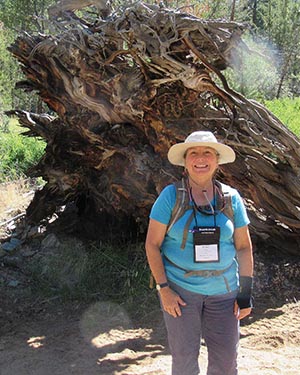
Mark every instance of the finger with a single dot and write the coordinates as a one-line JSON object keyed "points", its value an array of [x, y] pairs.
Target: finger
{"points": [[236, 309], [181, 302], [173, 313], [178, 311]]}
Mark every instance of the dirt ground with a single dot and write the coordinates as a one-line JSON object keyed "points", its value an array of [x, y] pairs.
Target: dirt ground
{"points": [[47, 337]]}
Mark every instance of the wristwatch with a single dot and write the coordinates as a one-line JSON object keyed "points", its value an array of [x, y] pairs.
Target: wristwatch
{"points": [[160, 286]]}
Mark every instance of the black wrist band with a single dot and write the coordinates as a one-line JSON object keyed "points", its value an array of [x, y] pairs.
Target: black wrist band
{"points": [[244, 298], [246, 284], [244, 303]]}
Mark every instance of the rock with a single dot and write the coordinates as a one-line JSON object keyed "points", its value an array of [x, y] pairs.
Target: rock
{"points": [[35, 231], [13, 261], [50, 242], [27, 251], [12, 245], [13, 283]]}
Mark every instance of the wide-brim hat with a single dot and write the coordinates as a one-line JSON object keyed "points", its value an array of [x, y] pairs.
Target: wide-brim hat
{"points": [[176, 153]]}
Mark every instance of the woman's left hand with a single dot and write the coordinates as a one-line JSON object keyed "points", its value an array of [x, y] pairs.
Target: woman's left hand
{"points": [[241, 313]]}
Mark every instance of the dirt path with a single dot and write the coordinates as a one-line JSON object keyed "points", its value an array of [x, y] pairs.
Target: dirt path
{"points": [[44, 337], [101, 339]]}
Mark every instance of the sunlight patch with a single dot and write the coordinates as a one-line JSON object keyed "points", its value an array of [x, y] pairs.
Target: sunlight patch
{"points": [[36, 342], [107, 324], [118, 336]]}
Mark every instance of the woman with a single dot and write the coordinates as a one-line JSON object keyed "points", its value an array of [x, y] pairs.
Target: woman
{"points": [[204, 286]]}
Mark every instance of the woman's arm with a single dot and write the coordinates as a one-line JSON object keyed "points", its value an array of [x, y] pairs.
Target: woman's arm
{"points": [[155, 236], [243, 246], [156, 233]]}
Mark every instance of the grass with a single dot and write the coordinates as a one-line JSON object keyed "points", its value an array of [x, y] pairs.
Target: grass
{"points": [[287, 110], [94, 271], [69, 269], [17, 152], [14, 197]]}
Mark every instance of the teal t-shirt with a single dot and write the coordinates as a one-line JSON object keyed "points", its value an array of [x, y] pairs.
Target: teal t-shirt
{"points": [[211, 285]]}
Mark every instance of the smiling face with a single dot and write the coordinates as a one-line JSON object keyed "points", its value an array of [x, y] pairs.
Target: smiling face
{"points": [[201, 162]]}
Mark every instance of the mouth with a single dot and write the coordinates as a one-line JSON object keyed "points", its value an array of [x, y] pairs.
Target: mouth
{"points": [[200, 166]]}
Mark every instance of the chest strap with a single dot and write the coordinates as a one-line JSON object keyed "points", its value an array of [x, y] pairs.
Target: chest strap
{"points": [[202, 273]]}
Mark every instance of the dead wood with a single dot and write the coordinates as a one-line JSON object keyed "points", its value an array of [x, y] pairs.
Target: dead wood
{"points": [[63, 6], [122, 90]]}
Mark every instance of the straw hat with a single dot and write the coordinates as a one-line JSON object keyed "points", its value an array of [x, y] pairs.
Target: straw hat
{"points": [[200, 138]]}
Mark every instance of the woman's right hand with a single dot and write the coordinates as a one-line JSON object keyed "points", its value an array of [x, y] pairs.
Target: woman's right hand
{"points": [[171, 301]]}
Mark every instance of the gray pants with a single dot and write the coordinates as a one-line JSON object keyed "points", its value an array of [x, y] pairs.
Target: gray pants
{"points": [[212, 318]]}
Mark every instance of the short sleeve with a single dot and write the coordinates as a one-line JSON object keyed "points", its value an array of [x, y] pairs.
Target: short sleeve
{"points": [[162, 208], [240, 213]]}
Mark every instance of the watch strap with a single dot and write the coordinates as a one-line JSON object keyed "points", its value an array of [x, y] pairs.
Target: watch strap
{"points": [[160, 286]]}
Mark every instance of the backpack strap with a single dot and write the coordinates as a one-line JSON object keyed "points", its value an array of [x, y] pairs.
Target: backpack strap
{"points": [[181, 204], [186, 230], [228, 210]]}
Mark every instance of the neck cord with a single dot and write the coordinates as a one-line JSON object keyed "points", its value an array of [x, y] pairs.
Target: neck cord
{"points": [[212, 207]]}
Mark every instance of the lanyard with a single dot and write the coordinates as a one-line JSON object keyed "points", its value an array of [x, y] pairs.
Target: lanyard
{"points": [[198, 208]]}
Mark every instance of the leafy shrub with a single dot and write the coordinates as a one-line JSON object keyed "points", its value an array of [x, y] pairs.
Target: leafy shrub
{"points": [[254, 72], [287, 110], [17, 152]]}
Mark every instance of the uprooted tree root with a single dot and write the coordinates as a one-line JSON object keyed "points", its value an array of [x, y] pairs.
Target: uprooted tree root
{"points": [[128, 85]]}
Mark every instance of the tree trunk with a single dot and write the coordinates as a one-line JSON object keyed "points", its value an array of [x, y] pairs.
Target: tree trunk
{"points": [[254, 12], [284, 71], [232, 14], [123, 90]]}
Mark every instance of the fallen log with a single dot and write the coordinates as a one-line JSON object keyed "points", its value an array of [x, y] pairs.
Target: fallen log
{"points": [[121, 90]]}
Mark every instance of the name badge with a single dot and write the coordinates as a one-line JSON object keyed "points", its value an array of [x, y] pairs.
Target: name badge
{"points": [[206, 244]]}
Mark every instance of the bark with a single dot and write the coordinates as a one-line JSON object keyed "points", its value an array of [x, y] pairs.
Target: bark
{"points": [[60, 7], [121, 90], [232, 14], [284, 72]]}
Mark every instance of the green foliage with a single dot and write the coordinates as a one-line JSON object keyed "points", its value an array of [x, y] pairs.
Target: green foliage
{"points": [[10, 74], [287, 110], [74, 271], [17, 15], [278, 20], [280, 25], [254, 73], [17, 153], [8, 70], [24, 14]]}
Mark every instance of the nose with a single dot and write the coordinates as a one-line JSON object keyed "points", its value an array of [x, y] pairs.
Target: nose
{"points": [[201, 156]]}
